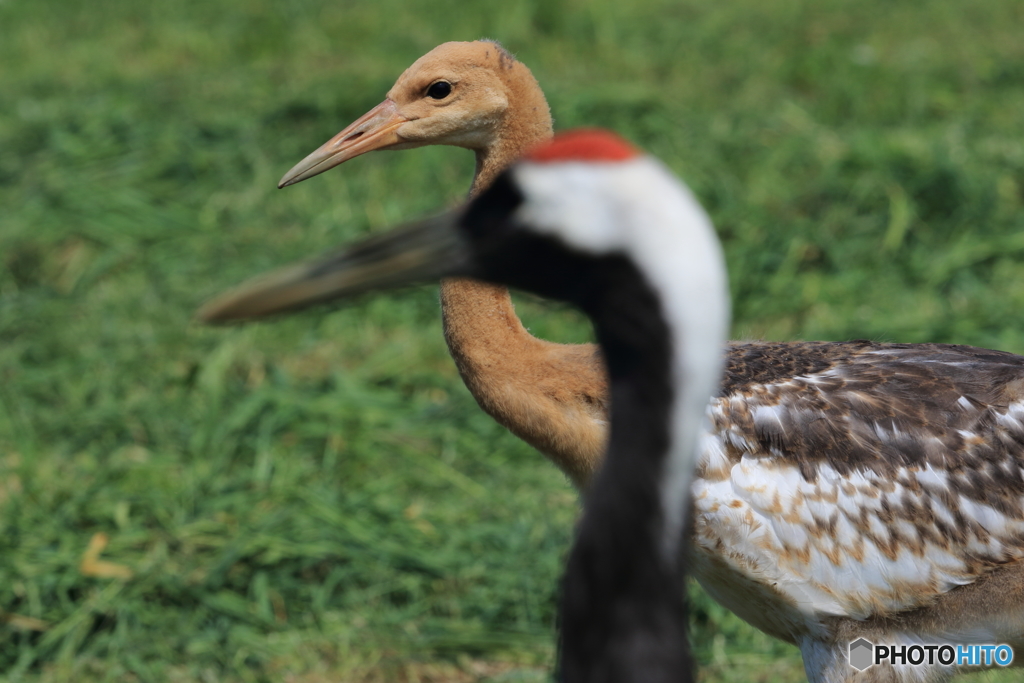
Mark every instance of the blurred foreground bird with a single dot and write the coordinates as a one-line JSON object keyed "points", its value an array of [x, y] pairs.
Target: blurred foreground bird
{"points": [[587, 220], [843, 490]]}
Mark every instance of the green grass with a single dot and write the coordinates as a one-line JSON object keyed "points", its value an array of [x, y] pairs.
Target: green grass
{"points": [[319, 499]]}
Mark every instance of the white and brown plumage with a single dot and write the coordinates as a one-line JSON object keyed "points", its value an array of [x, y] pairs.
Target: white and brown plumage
{"points": [[844, 489], [587, 220], [863, 489]]}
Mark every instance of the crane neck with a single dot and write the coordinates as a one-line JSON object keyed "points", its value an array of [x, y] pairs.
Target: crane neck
{"points": [[480, 321], [621, 609], [485, 337]]}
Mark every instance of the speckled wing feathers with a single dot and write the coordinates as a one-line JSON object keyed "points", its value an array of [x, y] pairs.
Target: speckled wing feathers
{"points": [[858, 479]]}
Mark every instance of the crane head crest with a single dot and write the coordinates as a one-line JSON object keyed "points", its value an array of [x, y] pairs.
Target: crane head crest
{"points": [[583, 144]]}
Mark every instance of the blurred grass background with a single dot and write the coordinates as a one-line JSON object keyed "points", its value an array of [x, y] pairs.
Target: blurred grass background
{"points": [[318, 498]]}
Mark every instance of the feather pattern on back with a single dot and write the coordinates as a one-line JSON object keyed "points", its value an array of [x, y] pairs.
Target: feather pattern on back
{"points": [[857, 479]]}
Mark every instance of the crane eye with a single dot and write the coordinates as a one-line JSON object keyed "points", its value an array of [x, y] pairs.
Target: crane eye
{"points": [[439, 90]]}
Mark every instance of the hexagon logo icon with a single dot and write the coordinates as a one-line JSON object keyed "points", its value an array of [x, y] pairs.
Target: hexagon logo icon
{"points": [[861, 654]]}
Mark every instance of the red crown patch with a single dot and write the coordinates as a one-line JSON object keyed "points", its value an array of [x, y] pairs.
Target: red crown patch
{"points": [[583, 144]]}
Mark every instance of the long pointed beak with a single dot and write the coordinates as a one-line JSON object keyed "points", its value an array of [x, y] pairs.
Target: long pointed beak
{"points": [[417, 252], [376, 129]]}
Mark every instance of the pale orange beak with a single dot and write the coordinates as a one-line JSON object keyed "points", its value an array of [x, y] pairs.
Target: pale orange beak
{"points": [[376, 129]]}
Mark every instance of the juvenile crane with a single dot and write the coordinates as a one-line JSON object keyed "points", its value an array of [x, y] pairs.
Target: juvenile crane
{"points": [[476, 95], [843, 489], [588, 220]]}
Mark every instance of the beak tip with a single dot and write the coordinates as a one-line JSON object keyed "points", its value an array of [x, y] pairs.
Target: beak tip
{"points": [[204, 316], [221, 310]]}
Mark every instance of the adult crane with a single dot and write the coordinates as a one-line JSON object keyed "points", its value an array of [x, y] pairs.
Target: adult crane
{"points": [[588, 220]]}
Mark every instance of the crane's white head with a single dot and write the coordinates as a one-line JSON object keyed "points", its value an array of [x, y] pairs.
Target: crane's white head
{"points": [[583, 196]]}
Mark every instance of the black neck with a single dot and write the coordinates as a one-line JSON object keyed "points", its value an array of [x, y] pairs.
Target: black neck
{"points": [[623, 616]]}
